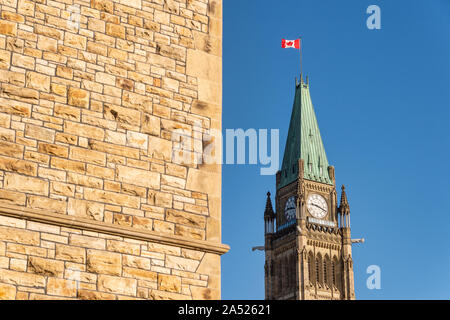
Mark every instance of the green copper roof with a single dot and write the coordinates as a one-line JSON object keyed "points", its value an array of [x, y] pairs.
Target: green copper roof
{"points": [[304, 141]]}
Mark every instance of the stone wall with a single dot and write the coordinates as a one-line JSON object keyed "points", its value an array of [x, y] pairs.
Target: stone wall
{"points": [[96, 198]]}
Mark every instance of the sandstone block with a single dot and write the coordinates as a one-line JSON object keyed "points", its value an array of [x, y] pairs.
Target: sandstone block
{"points": [[25, 184], [8, 28], [132, 3], [68, 165], [47, 44], [86, 209], [62, 189], [5, 120], [84, 180], [11, 149], [55, 175], [103, 5], [94, 295], [46, 267], [7, 292], [176, 170], [75, 41], [163, 226], [137, 101], [5, 58], [169, 283], [105, 78], [196, 209], [117, 285], [53, 149], [38, 81], [26, 7], [189, 232], [123, 247], [66, 138], [61, 287], [121, 219], [143, 223], [163, 248], [125, 84], [78, 97], [48, 31], [136, 262], [104, 262], [19, 166], [185, 218], [88, 242], [39, 133], [139, 274], [19, 93], [115, 137], [160, 148], [137, 140], [115, 30], [138, 177], [59, 89], [64, 72], [22, 278], [151, 124], [7, 134], [111, 198], [11, 197], [173, 181], [86, 155], [179, 263], [70, 253], [48, 204], [122, 115], [84, 130], [23, 61]]}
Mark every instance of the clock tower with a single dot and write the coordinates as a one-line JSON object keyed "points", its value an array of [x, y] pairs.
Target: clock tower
{"points": [[307, 237]]}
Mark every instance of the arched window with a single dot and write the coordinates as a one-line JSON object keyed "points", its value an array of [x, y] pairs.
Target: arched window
{"points": [[318, 269], [336, 273], [311, 267], [333, 272], [325, 271]]}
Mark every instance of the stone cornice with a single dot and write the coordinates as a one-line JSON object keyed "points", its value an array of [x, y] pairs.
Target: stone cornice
{"points": [[112, 229]]}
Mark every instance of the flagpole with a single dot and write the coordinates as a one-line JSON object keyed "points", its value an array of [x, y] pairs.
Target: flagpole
{"points": [[300, 49]]}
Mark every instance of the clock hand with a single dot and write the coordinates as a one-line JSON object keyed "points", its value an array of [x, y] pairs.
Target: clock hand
{"points": [[319, 207]]}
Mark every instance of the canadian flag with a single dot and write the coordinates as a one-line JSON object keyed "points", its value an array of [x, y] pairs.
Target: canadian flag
{"points": [[290, 43]]}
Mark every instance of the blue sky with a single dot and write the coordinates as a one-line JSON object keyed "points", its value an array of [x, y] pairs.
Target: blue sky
{"points": [[382, 100]]}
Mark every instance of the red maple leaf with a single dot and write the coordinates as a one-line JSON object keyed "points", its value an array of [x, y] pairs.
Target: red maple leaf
{"points": [[289, 43]]}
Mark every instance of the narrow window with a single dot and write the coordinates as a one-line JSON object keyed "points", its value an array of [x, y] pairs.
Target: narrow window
{"points": [[317, 270], [333, 273], [310, 269]]}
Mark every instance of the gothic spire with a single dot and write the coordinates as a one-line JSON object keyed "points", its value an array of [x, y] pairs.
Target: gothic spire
{"points": [[304, 142], [268, 213], [344, 207]]}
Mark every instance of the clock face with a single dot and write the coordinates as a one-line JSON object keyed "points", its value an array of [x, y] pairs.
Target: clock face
{"points": [[289, 209], [317, 206]]}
